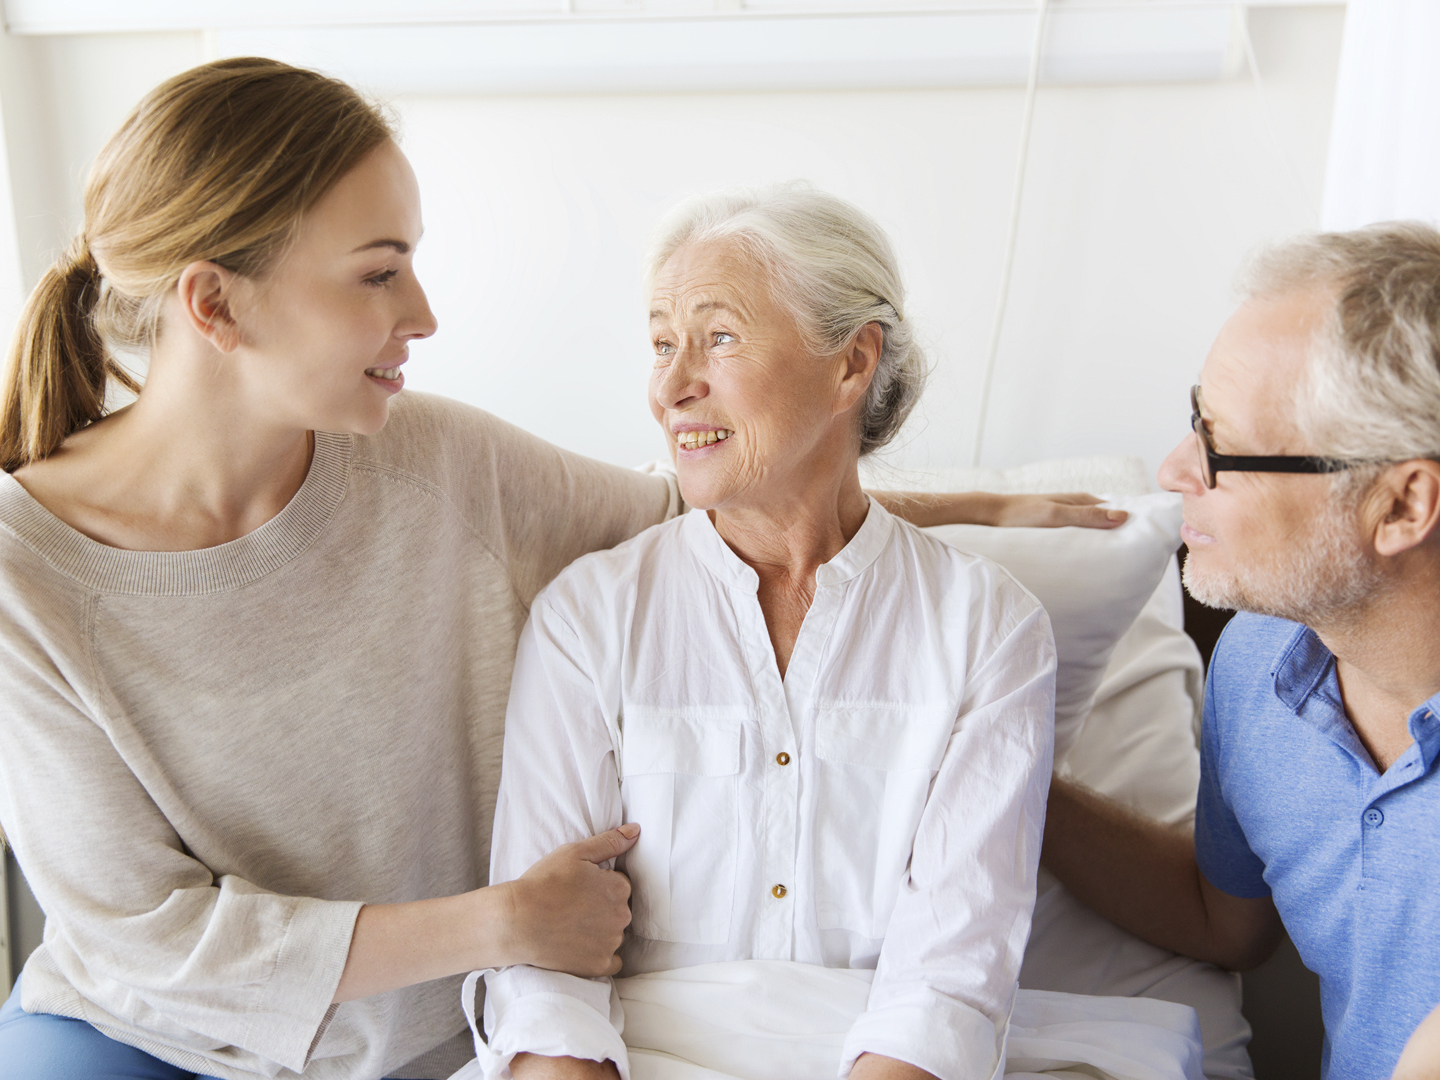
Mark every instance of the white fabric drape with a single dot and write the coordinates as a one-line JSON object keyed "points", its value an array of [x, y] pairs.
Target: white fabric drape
{"points": [[1385, 135]]}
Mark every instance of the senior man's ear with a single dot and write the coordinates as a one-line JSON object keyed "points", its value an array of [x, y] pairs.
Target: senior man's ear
{"points": [[858, 368], [1408, 494]]}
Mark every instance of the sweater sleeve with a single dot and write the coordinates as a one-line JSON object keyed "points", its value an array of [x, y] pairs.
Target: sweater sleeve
{"points": [[144, 932], [536, 507], [950, 962], [558, 784]]}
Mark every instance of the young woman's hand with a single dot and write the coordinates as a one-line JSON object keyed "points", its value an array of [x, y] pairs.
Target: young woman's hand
{"points": [[566, 912], [1055, 511]]}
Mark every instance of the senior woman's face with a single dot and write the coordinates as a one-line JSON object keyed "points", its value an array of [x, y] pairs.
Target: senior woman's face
{"points": [[748, 409]]}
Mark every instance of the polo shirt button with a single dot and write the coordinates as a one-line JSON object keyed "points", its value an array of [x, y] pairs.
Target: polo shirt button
{"points": [[1374, 817], [782, 758], [779, 892]]}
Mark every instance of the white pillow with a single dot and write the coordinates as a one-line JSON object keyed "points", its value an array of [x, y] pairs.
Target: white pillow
{"points": [[1093, 583], [1140, 744]]}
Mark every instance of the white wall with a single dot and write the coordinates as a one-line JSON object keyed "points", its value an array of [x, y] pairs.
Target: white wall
{"points": [[1140, 203]]}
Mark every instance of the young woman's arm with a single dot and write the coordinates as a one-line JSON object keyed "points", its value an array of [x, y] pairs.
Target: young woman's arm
{"points": [[565, 913], [1011, 511]]}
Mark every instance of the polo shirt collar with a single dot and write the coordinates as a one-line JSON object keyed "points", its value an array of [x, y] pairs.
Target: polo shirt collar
{"points": [[1303, 670], [1425, 730]]}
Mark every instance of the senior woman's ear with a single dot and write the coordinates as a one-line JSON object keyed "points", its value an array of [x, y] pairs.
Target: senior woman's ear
{"points": [[857, 368]]}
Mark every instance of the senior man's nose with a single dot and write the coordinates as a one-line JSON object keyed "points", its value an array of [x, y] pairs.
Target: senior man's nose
{"points": [[1180, 471]]}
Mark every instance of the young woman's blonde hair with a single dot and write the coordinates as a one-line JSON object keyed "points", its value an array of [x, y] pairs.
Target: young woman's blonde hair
{"points": [[217, 164]]}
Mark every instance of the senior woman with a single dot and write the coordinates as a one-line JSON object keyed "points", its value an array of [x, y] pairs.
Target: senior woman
{"points": [[834, 731]]}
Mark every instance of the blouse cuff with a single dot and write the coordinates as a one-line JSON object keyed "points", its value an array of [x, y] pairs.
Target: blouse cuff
{"points": [[528, 1010], [946, 1038]]}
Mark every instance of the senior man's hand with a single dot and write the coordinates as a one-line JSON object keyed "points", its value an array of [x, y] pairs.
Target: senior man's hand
{"points": [[987, 508]]}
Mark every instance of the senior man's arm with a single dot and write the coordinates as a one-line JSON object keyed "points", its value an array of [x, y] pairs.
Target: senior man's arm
{"points": [[1420, 1059], [1142, 875]]}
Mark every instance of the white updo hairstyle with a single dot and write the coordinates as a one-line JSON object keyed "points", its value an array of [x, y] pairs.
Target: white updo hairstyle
{"points": [[1371, 388], [831, 266]]}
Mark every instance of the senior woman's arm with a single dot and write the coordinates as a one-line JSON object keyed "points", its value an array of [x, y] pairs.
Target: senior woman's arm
{"points": [[559, 775], [950, 962]]}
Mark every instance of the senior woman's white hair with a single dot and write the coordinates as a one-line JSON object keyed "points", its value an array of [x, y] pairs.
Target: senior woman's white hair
{"points": [[1371, 389], [831, 265]]}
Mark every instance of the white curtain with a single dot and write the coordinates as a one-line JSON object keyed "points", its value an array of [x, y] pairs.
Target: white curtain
{"points": [[1385, 136]]}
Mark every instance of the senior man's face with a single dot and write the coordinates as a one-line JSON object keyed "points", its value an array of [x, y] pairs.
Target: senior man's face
{"points": [[1274, 543], [747, 408]]}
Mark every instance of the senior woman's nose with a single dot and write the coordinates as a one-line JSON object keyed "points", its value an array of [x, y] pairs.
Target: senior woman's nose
{"points": [[681, 380]]}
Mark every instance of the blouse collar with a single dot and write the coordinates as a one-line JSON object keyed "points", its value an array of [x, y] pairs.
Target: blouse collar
{"points": [[851, 561]]}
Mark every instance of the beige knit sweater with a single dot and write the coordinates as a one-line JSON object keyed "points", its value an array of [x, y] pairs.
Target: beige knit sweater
{"points": [[210, 759]]}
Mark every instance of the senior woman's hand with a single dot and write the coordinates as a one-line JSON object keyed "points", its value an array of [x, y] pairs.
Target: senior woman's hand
{"points": [[986, 508]]}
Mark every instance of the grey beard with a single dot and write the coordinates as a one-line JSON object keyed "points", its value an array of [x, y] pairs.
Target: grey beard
{"points": [[1329, 579]]}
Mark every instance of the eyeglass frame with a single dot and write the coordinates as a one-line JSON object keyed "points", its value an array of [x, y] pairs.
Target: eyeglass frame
{"points": [[1212, 463]]}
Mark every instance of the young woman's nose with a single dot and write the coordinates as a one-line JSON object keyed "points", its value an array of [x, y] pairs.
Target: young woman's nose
{"points": [[417, 320]]}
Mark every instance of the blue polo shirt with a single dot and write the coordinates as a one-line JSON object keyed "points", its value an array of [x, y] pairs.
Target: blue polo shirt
{"points": [[1291, 806]]}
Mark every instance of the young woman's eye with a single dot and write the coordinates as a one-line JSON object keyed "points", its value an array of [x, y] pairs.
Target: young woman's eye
{"points": [[381, 279]]}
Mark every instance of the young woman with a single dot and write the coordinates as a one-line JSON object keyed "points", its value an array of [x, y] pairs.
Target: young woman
{"points": [[255, 641]]}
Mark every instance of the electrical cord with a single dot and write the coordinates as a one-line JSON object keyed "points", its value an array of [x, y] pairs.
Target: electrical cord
{"points": [[1042, 10]]}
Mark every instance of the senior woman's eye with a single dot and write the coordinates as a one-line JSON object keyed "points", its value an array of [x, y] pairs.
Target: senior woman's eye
{"points": [[664, 348], [722, 338]]}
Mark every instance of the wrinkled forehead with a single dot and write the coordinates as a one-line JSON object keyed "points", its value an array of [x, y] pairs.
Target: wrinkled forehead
{"points": [[1254, 376], [704, 277]]}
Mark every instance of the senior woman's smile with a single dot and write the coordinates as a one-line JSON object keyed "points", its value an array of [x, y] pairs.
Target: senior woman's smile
{"points": [[756, 410]]}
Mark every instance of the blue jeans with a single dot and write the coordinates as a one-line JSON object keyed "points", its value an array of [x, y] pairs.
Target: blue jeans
{"points": [[38, 1046]]}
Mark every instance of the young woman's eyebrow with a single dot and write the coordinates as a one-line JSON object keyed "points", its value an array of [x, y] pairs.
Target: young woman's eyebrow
{"points": [[400, 246]]}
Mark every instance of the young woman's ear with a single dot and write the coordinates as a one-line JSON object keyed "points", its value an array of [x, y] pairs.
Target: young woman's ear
{"points": [[205, 290]]}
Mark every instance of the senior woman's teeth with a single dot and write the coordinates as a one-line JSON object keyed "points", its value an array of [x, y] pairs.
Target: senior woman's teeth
{"points": [[391, 373], [693, 440]]}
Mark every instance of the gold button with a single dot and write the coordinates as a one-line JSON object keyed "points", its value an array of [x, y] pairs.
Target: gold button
{"points": [[782, 758], [779, 892]]}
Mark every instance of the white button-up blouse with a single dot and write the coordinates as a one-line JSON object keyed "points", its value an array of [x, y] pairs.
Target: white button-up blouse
{"points": [[881, 806]]}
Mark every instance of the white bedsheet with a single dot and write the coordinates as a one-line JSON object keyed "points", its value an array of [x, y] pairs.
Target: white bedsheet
{"points": [[778, 1020]]}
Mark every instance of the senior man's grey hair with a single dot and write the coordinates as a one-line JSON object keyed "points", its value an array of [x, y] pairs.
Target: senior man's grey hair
{"points": [[832, 266], [1371, 388]]}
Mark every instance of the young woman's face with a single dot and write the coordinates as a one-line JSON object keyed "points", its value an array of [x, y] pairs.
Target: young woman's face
{"points": [[323, 335]]}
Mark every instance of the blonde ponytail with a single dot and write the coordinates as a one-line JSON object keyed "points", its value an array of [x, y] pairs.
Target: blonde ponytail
{"points": [[218, 164], [58, 366]]}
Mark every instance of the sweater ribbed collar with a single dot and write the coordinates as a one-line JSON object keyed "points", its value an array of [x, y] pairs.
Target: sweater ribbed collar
{"points": [[186, 573]]}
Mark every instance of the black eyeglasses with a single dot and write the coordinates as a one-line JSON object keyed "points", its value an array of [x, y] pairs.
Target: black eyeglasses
{"points": [[1212, 463]]}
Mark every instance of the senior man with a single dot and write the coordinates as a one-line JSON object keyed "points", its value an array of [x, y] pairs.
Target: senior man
{"points": [[1312, 505]]}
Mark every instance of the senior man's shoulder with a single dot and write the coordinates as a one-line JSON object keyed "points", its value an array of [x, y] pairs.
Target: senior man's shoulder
{"points": [[1248, 658], [1253, 646]]}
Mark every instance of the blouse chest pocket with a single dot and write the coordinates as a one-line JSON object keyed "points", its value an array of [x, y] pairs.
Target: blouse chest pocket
{"points": [[875, 764], [680, 773]]}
